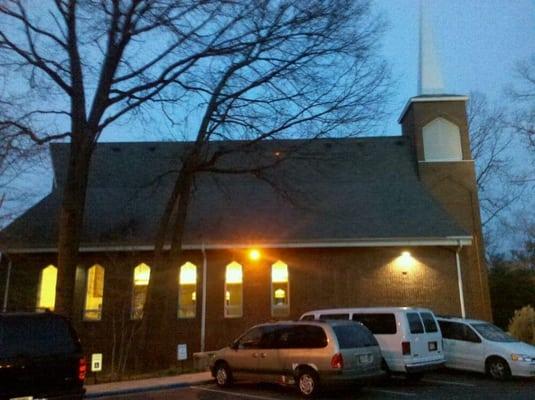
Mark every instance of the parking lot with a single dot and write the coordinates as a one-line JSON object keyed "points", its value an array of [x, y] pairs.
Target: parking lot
{"points": [[442, 385]]}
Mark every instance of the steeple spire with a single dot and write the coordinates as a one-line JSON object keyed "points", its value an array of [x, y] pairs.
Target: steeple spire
{"points": [[429, 73]]}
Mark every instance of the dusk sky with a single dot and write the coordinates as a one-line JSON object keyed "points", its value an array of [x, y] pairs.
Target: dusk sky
{"points": [[477, 42]]}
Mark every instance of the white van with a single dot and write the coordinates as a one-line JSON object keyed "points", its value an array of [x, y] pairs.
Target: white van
{"points": [[409, 338]]}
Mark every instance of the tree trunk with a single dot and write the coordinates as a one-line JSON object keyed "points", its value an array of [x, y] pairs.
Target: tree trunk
{"points": [[70, 225], [160, 309]]}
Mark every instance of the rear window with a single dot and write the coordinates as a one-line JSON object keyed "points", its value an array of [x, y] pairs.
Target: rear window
{"points": [[415, 323], [334, 316], [353, 336], [301, 337], [429, 322], [35, 337], [309, 317], [379, 324]]}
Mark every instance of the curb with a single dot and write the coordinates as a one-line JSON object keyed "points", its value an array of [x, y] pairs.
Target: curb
{"points": [[120, 392]]}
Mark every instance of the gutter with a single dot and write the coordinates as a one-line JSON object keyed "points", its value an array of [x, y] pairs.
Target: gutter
{"points": [[8, 278], [460, 278], [387, 242]]}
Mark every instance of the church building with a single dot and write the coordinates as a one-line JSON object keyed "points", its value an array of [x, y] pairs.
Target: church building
{"points": [[348, 222], [372, 221]]}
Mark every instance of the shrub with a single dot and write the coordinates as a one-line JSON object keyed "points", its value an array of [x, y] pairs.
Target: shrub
{"points": [[522, 325]]}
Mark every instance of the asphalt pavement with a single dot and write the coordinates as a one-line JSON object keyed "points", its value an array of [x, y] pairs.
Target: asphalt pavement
{"points": [[436, 386]]}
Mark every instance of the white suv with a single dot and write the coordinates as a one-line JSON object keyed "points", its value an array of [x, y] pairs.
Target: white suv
{"points": [[480, 346]]}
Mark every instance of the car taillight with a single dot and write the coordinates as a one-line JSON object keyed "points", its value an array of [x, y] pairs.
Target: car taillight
{"points": [[406, 348], [82, 369], [337, 362]]}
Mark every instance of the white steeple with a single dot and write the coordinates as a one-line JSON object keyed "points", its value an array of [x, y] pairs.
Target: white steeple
{"points": [[429, 73]]}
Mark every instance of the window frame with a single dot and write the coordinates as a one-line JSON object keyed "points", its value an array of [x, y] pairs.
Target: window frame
{"points": [[40, 288], [133, 315], [180, 285], [225, 306], [85, 309], [282, 310]]}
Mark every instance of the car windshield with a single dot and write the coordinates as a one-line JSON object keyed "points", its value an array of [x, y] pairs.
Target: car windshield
{"points": [[493, 333]]}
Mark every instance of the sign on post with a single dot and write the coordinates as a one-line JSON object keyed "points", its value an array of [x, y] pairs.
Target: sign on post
{"points": [[182, 352], [96, 362]]}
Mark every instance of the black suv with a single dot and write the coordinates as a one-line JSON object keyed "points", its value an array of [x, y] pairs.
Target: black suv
{"points": [[40, 357]]}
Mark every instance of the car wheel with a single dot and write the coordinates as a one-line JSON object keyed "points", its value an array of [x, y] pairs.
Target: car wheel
{"points": [[497, 368], [308, 383], [223, 375]]}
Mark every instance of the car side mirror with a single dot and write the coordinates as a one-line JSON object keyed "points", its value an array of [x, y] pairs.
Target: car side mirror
{"points": [[234, 345]]}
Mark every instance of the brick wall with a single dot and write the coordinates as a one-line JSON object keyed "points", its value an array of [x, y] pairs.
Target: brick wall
{"points": [[319, 278]]}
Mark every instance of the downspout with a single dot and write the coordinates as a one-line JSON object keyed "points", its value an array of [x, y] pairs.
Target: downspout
{"points": [[460, 278], [8, 278], [203, 309]]}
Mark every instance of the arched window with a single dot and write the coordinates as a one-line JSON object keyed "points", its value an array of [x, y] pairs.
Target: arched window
{"points": [[442, 141], [94, 293], [139, 290], [233, 290], [187, 291], [280, 290], [46, 295]]}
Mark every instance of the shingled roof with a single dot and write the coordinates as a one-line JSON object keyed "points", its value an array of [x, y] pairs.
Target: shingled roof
{"points": [[332, 191]]}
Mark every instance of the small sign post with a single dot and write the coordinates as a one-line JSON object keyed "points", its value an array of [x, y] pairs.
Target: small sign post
{"points": [[182, 354], [96, 364]]}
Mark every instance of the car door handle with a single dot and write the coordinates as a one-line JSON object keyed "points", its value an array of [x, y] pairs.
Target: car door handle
{"points": [[263, 355], [255, 355]]}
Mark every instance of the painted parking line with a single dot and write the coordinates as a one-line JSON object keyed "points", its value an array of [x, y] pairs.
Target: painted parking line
{"points": [[248, 396], [449, 382], [394, 392]]}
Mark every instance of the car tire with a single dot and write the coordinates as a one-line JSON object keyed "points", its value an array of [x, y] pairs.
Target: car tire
{"points": [[223, 375], [498, 369], [307, 382]]}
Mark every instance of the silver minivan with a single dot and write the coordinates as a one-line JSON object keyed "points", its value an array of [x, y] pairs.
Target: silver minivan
{"points": [[306, 354]]}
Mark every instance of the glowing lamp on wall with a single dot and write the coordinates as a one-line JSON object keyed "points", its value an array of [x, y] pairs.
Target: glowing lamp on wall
{"points": [[280, 294], [254, 255], [405, 262]]}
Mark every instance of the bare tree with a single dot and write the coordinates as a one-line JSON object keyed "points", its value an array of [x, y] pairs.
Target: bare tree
{"points": [[491, 140], [256, 70], [304, 71], [20, 153], [523, 95], [82, 65]]}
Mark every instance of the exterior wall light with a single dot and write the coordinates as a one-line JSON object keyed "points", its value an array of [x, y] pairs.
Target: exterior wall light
{"points": [[405, 262], [254, 255]]}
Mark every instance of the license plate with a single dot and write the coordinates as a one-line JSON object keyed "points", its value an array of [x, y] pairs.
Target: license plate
{"points": [[432, 346], [365, 358]]}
